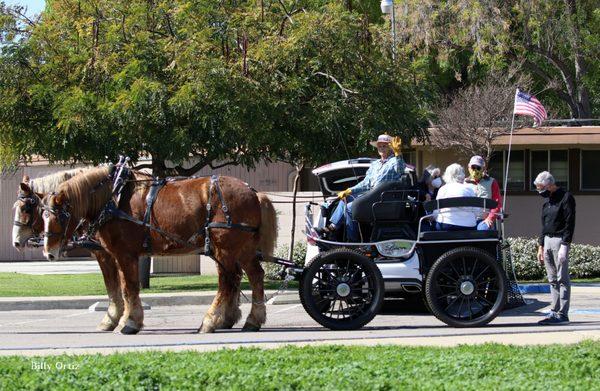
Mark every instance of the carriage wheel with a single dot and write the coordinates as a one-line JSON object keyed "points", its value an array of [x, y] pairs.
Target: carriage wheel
{"points": [[466, 287], [342, 289]]}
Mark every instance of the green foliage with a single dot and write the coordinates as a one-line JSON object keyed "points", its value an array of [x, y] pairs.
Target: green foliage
{"points": [[272, 270], [233, 82], [584, 260], [24, 285], [466, 367]]}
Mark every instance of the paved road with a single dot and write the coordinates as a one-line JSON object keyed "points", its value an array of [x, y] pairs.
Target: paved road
{"points": [[174, 328]]}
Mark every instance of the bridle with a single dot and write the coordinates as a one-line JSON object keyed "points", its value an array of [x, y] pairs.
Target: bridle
{"points": [[64, 218], [31, 204]]}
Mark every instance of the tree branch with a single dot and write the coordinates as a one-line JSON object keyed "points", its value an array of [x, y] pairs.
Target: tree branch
{"points": [[345, 91]]}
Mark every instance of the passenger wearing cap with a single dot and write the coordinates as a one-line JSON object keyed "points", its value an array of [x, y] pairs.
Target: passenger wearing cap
{"points": [[485, 187], [389, 167]]}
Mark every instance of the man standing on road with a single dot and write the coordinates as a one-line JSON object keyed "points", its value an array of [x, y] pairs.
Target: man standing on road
{"points": [[558, 224]]}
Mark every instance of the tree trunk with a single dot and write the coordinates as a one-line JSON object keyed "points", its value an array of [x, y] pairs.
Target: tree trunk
{"points": [[293, 231]]}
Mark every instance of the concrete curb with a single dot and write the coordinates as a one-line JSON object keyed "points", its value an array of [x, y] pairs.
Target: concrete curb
{"points": [[84, 302]]}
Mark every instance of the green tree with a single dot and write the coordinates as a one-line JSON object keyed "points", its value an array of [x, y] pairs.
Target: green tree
{"points": [[556, 42], [189, 83]]}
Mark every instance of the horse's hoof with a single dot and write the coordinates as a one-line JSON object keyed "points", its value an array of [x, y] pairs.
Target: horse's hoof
{"points": [[250, 327], [206, 329], [106, 327], [128, 330]]}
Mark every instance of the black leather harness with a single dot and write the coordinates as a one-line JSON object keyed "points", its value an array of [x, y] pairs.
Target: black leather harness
{"points": [[111, 211]]}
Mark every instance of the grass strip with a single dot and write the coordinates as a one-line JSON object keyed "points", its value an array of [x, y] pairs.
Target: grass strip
{"points": [[21, 285], [467, 367]]}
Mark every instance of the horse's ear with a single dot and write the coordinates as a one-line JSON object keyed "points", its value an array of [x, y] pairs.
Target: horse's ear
{"points": [[25, 187], [25, 178], [59, 199]]}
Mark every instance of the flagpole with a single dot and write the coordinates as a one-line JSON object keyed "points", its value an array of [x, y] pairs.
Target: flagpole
{"points": [[512, 126]]}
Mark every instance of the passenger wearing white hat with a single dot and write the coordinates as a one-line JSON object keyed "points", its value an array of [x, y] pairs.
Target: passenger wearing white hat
{"points": [[389, 167], [485, 187]]}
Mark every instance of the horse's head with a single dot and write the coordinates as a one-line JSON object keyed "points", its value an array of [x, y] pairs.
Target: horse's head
{"points": [[58, 224], [28, 215]]}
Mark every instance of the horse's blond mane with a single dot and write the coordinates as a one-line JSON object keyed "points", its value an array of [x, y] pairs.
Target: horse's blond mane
{"points": [[86, 193], [50, 183]]}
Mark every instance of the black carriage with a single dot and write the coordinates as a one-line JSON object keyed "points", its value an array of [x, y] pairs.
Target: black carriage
{"points": [[464, 277]]}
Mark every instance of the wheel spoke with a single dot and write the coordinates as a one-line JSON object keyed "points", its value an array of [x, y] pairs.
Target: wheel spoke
{"points": [[454, 269], [480, 274], [489, 303], [462, 300], [453, 279], [452, 302], [464, 266], [474, 266], [470, 309]]}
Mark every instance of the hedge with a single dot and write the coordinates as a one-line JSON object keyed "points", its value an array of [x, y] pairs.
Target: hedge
{"points": [[584, 260], [272, 269]]}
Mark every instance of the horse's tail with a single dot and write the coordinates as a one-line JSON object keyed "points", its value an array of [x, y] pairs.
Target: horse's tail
{"points": [[268, 226]]}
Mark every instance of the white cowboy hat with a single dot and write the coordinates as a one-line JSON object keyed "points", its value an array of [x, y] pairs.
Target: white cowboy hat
{"points": [[383, 138]]}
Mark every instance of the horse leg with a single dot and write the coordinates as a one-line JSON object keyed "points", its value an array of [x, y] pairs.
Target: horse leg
{"points": [[224, 311], [110, 273], [256, 276], [132, 320]]}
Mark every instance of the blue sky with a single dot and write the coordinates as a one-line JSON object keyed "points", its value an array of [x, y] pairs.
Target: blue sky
{"points": [[33, 6]]}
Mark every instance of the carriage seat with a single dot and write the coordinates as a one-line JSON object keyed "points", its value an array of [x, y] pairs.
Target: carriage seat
{"points": [[458, 235], [388, 201], [458, 202]]}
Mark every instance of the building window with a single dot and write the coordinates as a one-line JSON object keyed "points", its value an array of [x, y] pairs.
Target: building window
{"points": [[554, 161], [410, 157], [590, 175], [516, 169]]}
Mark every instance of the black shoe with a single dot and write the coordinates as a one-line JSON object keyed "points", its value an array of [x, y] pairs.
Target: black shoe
{"points": [[548, 319], [324, 231], [555, 320]]}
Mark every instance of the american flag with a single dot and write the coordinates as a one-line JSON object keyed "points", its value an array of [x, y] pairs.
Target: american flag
{"points": [[526, 104]]}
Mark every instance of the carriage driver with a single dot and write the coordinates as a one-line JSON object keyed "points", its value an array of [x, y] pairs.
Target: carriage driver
{"points": [[485, 187], [388, 168]]}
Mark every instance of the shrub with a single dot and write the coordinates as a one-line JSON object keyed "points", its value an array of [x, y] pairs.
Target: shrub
{"points": [[584, 260], [272, 269]]}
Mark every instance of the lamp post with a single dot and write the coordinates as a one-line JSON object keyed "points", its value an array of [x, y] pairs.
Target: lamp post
{"points": [[387, 7]]}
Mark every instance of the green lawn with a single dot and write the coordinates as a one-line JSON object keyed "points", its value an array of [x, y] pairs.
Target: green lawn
{"points": [[15, 284], [483, 367]]}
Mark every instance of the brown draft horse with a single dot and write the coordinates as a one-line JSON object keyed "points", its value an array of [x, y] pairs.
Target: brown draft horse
{"points": [[180, 209], [28, 224]]}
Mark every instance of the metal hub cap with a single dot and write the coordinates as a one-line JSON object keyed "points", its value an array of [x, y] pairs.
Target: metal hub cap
{"points": [[467, 288], [343, 289]]}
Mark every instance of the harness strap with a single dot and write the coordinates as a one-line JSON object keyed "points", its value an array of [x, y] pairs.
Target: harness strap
{"points": [[150, 198], [241, 227]]}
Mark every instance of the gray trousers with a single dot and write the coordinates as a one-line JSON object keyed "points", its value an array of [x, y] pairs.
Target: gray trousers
{"points": [[558, 276]]}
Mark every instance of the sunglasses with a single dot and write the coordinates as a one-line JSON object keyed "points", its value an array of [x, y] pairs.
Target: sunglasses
{"points": [[476, 168]]}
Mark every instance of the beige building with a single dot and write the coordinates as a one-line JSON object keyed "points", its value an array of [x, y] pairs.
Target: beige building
{"points": [[571, 154]]}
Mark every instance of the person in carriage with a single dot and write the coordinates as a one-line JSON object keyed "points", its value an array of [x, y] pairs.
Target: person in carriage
{"points": [[430, 183], [388, 168], [455, 219], [485, 187]]}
